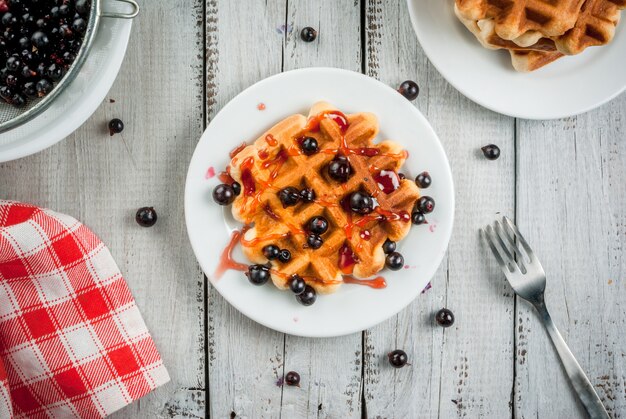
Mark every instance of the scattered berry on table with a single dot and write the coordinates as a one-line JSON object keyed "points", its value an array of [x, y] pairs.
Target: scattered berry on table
{"points": [[491, 151], [224, 194], [425, 204], [444, 318], [389, 246], [258, 274], [297, 284], [418, 218], [271, 251], [115, 126], [398, 358], [394, 261], [284, 256], [314, 241], [308, 145], [318, 225], [423, 180], [409, 89], [292, 378], [307, 297], [289, 196], [146, 216], [308, 34], [361, 203]]}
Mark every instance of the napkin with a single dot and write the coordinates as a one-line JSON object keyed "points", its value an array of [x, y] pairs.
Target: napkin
{"points": [[72, 341]]}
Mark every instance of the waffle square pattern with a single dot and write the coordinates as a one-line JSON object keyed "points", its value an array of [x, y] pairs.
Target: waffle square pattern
{"points": [[352, 242]]}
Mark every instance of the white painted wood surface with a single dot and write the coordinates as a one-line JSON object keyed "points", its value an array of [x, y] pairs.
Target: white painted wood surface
{"points": [[563, 181]]}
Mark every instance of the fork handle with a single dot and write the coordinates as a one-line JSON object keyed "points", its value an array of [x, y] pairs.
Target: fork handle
{"points": [[580, 382]]}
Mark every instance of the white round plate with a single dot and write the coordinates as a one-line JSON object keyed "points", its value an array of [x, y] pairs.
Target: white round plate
{"points": [[352, 307], [81, 98], [569, 86]]}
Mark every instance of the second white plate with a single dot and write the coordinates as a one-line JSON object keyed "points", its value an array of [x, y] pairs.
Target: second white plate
{"points": [[352, 307], [569, 86]]}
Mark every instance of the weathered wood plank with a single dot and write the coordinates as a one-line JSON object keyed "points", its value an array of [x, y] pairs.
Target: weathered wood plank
{"points": [[330, 368], [572, 210], [466, 370], [102, 180], [244, 45]]}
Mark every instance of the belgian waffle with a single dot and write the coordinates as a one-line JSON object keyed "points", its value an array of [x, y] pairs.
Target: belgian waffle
{"points": [[595, 26], [538, 32], [353, 242], [518, 18], [524, 59]]}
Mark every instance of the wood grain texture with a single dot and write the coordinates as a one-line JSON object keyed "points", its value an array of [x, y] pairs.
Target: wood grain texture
{"points": [[453, 369], [562, 181], [245, 359], [330, 368], [102, 180], [572, 210]]}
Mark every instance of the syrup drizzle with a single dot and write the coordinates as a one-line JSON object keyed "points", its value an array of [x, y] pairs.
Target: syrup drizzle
{"points": [[347, 259], [270, 140], [226, 260], [387, 180], [313, 124], [377, 283], [225, 177], [249, 186], [237, 150]]}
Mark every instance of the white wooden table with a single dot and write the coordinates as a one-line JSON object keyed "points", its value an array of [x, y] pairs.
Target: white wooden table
{"points": [[562, 181]]}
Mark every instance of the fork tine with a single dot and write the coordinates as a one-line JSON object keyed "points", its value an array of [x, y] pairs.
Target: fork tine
{"points": [[513, 228], [505, 266], [511, 245], [503, 246]]}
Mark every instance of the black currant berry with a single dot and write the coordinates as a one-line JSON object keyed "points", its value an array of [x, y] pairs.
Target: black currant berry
{"points": [[397, 358], [425, 204], [308, 34], [389, 246], [409, 89], [297, 284], [491, 151], [271, 251], [292, 378], [394, 261], [223, 194], [318, 225], [289, 196], [423, 180], [258, 274], [444, 318], [146, 216], [307, 297], [115, 126], [308, 145]]}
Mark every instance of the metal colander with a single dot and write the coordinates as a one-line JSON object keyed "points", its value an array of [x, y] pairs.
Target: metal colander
{"points": [[11, 117]]}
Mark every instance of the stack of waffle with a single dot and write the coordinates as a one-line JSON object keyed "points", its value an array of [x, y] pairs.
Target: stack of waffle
{"points": [[538, 32]]}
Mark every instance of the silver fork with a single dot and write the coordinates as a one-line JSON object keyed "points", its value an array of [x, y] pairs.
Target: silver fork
{"points": [[528, 280]]}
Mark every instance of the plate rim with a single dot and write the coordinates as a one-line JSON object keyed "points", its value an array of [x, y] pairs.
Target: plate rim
{"points": [[304, 332], [474, 98]]}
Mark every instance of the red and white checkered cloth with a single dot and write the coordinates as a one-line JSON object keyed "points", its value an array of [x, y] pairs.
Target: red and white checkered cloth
{"points": [[72, 341]]}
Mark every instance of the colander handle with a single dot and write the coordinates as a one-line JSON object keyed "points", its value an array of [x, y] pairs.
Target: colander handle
{"points": [[116, 15]]}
